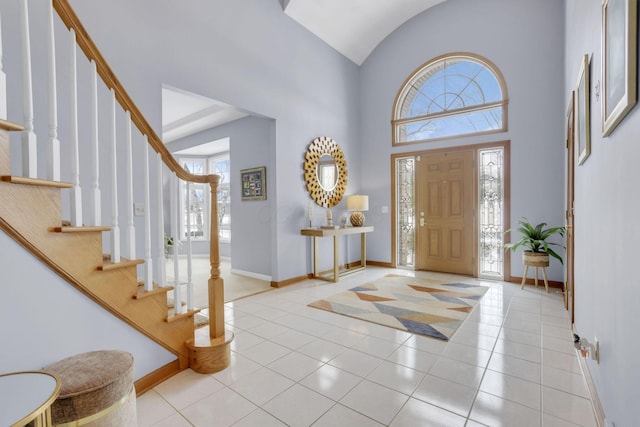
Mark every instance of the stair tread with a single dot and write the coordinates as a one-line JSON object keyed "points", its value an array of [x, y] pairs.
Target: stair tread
{"points": [[10, 126], [142, 293], [80, 229], [35, 181], [110, 265], [189, 313]]}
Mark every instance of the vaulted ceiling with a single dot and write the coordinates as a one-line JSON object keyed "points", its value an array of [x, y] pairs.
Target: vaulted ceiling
{"points": [[354, 27]]}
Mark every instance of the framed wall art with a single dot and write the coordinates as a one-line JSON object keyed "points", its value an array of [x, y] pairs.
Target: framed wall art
{"points": [[619, 34], [254, 183], [583, 126]]}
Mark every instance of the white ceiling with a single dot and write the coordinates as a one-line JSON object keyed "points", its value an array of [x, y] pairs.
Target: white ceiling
{"points": [[185, 113], [207, 149], [354, 27]]}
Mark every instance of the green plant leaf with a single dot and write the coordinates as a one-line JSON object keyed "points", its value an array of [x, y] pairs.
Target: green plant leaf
{"points": [[534, 238]]}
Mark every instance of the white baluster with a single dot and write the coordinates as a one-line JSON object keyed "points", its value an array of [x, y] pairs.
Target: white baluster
{"points": [[29, 140], [115, 226], [160, 261], [54, 143], [95, 162], [148, 261], [189, 254], [175, 221], [131, 229], [3, 81], [76, 191]]}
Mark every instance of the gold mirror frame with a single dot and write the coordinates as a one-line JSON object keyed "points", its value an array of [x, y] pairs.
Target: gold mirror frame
{"points": [[318, 147]]}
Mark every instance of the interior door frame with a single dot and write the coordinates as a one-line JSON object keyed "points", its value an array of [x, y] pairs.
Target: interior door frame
{"points": [[506, 146], [569, 285]]}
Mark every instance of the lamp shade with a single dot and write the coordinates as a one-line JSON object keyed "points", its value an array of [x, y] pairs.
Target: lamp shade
{"points": [[357, 203]]}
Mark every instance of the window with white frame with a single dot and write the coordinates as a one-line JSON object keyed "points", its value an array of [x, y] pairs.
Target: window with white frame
{"points": [[452, 95], [195, 199]]}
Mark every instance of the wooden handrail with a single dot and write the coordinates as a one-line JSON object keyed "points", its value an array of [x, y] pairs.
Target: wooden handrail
{"points": [[70, 19]]}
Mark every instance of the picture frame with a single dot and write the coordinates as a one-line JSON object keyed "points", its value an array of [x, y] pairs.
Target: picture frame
{"points": [[619, 69], [253, 183], [583, 125]]}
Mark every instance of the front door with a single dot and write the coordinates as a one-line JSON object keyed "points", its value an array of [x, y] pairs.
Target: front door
{"points": [[445, 205]]}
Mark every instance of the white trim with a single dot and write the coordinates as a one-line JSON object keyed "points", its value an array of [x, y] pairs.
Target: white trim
{"points": [[596, 406]]}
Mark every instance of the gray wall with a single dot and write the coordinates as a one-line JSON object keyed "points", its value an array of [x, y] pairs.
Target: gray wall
{"points": [[524, 39], [606, 230], [250, 146]]}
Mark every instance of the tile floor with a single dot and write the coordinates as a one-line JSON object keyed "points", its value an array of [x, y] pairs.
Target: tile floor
{"points": [[511, 363]]}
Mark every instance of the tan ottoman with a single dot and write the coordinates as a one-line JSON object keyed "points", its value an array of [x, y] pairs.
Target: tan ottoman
{"points": [[97, 390]]}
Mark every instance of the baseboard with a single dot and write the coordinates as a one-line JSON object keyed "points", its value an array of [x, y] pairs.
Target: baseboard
{"points": [[291, 281], [598, 411], [552, 283], [154, 378], [380, 264], [250, 274]]}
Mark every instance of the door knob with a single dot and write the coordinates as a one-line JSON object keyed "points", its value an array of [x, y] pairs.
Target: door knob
{"points": [[421, 222]]}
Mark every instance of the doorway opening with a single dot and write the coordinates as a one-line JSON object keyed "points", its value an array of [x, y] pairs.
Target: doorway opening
{"points": [[450, 210]]}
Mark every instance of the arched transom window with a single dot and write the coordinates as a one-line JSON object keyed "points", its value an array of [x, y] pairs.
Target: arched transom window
{"points": [[452, 95]]}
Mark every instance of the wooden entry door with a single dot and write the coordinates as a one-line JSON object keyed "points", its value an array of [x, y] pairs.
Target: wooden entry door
{"points": [[445, 201], [569, 282]]}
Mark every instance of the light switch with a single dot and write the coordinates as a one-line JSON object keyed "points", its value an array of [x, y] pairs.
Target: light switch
{"points": [[385, 209], [138, 209]]}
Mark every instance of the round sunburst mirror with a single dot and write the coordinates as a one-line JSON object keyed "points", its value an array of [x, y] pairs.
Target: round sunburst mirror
{"points": [[325, 171]]}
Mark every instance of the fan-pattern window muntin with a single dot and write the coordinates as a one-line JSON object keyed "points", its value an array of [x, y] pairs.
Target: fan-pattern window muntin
{"points": [[449, 96]]}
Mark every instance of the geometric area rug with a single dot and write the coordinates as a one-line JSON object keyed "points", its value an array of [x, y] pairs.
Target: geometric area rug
{"points": [[429, 307]]}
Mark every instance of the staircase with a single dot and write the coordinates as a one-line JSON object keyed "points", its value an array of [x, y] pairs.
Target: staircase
{"points": [[31, 213]]}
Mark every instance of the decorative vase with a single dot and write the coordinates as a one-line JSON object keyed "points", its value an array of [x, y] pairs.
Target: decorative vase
{"points": [[535, 259], [357, 219]]}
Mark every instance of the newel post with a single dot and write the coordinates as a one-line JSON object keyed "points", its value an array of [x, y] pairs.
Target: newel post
{"points": [[216, 284]]}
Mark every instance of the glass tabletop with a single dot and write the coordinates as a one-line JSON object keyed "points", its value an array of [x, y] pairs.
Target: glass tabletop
{"points": [[24, 394]]}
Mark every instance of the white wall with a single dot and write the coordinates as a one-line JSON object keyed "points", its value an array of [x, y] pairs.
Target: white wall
{"points": [[44, 319], [524, 39], [606, 230]]}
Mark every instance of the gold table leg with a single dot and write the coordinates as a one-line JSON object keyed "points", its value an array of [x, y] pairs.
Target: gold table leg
{"points": [[335, 258], [315, 256]]}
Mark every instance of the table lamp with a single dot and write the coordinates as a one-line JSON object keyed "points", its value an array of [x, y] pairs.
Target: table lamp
{"points": [[357, 204]]}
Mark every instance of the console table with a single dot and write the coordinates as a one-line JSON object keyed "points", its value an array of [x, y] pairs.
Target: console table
{"points": [[335, 233], [26, 397]]}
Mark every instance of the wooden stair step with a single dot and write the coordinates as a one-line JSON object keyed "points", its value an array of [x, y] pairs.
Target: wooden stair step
{"points": [[209, 354], [155, 291], [189, 313], [80, 229], [10, 126], [35, 181], [124, 263]]}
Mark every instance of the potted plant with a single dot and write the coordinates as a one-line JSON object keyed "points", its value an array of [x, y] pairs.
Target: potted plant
{"points": [[169, 242], [534, 240]]}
